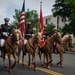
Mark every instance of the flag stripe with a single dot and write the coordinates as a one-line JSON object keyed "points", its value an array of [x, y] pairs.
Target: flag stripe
{"points": [[22, 20], [41, 26]]}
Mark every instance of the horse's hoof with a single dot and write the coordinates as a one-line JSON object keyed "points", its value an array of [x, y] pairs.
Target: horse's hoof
{"points": [[51, 63], [10, 71], [42, 64], [61, 66], [5, 66], [29, 67], [17, 61], [22, 64], [57, 63], [35, 69], [48, 67]]}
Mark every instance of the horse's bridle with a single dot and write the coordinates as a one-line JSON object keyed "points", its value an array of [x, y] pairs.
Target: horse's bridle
{"points": [[32, 46], [48, 45], [10, 46]]}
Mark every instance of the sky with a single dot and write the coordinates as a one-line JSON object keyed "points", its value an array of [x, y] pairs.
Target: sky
{"points": [[7, 7]]}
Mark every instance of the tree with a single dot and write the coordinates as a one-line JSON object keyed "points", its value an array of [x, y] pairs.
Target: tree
{"points": [[30, 16], [50, 28], [61, 8], [65, 9]]}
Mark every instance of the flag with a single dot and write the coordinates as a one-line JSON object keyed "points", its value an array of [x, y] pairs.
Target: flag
{"points": [[22, 21], [41, 26], [57, 22]]}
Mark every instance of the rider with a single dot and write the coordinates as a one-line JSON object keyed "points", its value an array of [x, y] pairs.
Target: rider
{"points": [[54, 46], [45, 32], [28, 28], [5, 32]]}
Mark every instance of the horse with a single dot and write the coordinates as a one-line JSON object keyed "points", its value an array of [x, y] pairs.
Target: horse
{"points": [[47, 49], [10, 46], [67, 40], [31, 47]]}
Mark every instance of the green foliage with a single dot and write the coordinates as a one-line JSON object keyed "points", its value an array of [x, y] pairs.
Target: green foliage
{"points": [[60, 8], [30, 16], [65, 9], [49, 29], [35, 31]]}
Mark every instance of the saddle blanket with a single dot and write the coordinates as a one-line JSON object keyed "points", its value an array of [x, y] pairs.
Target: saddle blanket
{"points": [[2, 41]]}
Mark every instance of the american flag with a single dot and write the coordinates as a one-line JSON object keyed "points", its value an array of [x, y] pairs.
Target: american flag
{"points": [[22, 20]]}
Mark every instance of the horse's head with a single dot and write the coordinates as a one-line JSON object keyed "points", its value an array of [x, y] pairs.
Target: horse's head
{"points": [[56, 37], [37, 37], [16, 36], [70, 39]]}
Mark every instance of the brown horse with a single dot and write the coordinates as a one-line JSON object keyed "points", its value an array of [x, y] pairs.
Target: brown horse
{"points": [[11, 45], [67, 40], [31, 48], [47, 49]]}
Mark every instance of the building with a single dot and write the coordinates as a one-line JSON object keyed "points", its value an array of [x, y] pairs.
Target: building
{"points": [[50, 19]]}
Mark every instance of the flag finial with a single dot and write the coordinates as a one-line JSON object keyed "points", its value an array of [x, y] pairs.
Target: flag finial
{"points": [[41, 2]]}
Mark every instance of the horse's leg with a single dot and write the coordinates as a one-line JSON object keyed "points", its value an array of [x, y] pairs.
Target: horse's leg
{"points": [[61, 59], [47, 64], [23, 53], [61, 52], [44, 58], [3, 55], [5, 66], [29, 61], [40, 59], [34, 60], [14, 55], [19, 51], [22, 59], [50, 57], [10, 65]]}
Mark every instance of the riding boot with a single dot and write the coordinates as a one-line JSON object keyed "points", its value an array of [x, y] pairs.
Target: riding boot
{"points": [[54, 47], [2, 52], [24, 50], [56, 51]]}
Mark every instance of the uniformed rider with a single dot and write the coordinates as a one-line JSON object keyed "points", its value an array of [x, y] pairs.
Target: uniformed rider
{"points": [[5, 32], [54, 46]]}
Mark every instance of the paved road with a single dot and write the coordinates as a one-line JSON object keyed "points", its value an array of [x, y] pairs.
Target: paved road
{"points": [[68, 69]]}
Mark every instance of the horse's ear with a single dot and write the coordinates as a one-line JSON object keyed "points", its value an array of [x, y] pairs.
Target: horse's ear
{"points": [[13, 29], [19, 28]]}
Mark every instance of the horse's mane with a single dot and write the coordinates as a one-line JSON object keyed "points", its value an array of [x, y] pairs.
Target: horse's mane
{"points": [[51, 37], [34, 36], [66, 36], [55, 35], [12, 36]]}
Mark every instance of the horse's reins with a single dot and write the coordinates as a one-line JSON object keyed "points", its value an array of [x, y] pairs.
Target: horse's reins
{"points": [[10, 46], [48, 45], [31, 46]]}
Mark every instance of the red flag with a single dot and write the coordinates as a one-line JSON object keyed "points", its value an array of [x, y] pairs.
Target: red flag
{"points": [[22, 21], [41, 26]]}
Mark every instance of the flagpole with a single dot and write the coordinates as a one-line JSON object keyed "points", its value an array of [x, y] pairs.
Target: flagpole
{"points": [[22, 24], [57, 23], [41, 26], [24, 30]]}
